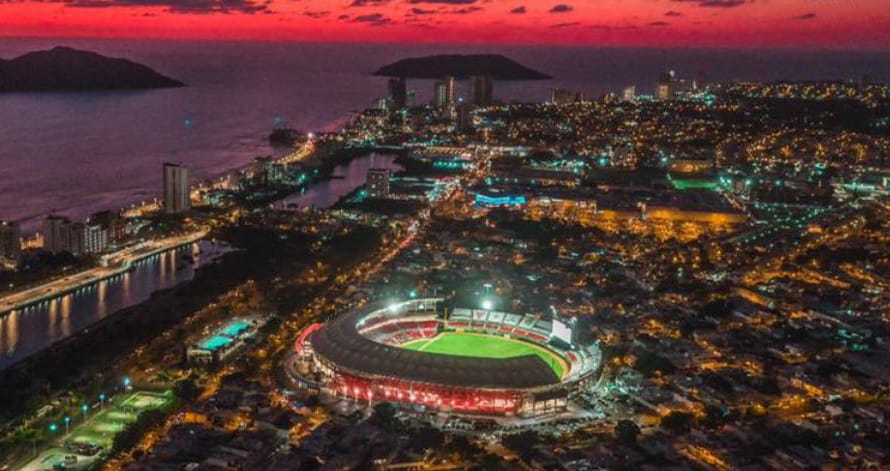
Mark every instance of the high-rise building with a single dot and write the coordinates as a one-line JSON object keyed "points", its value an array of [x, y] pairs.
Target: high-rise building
{"points": [[10, 243], [177, 197], [481, 90], [464, 118], [445, 93], [629, 93], [111, 222], [61, 235], [561, 96], [56, 234], [398, 92], [90, 238], [377, 183], [664, 89]]}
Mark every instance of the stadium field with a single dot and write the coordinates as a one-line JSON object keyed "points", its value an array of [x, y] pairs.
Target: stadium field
{"points": [[485, 346]]}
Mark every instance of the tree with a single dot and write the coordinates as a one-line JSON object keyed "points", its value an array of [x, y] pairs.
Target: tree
{"points": [[677, 422], [384, 416], [648, 363], [427, 438], [489, 462], [627, 431], [129, 437], [187, 390], [522, 443], [463, 447]]}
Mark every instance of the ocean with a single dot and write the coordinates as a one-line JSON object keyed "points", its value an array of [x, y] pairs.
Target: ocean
{"points": [[75, 153]]}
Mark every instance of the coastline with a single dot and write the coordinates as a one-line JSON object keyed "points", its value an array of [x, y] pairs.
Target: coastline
{"points": [[339, 157]]}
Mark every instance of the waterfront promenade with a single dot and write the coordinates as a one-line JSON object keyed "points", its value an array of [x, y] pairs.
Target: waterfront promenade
{"points": [[113, 264]]}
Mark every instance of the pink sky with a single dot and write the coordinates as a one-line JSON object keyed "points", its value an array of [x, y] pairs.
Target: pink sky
{"points": [[733, 23]]}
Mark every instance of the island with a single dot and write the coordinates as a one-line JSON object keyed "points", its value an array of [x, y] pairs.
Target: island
{"points": [[461, 67], [67, 69]]}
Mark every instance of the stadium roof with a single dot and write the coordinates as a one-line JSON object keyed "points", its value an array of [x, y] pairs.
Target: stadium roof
{"points": [[341, 343]]}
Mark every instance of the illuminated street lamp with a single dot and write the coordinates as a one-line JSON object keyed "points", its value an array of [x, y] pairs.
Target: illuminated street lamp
{"points": [[127, 382], [102, 400], [67, 423], [84, 408], [53, 427]]}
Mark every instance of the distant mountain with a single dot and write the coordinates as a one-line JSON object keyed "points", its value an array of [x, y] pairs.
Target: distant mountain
{"points": [[67, 69], [461, 67]]}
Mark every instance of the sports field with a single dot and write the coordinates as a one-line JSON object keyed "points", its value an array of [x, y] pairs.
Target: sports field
{"points": [[100, 427], [119, 413], [485, 346]]}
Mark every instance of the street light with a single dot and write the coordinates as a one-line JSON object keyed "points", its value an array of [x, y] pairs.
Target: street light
{"points": [[126, 381], [84, 408], [67, 422], [102, 400], [53, 427]]}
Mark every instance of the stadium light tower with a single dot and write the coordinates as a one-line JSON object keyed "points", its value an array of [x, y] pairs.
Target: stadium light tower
{"points": [[487, 304]]}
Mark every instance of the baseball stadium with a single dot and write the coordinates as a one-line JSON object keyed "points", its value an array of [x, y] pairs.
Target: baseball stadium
{"points": [[424, 355]]}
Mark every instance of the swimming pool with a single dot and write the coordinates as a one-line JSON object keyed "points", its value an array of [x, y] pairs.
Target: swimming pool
{"points": [[235, 328], [215, 343]]}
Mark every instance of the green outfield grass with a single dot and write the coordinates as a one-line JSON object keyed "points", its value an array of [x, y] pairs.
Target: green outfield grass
{"points": [[485, 346]]}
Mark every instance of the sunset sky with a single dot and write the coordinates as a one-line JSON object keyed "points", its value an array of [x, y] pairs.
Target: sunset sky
{"points": [[733, 23]]}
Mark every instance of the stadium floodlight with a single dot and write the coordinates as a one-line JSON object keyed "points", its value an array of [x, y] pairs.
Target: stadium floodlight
{"points": [[394, 307], [487, 304]]}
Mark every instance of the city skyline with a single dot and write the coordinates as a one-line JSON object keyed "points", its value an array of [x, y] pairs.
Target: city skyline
{"points": [[859, 24]]}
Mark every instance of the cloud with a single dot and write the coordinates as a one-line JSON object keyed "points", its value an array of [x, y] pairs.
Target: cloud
{"points": [[444, 2], [180, 6], [673, 13], [421, 11], [570, 24], [518, 10], [316, 14], [715, 3], [373, 19], [608, 27], [659, 23], [805, 16], [465, 10], [561, 8], [368, 3]]}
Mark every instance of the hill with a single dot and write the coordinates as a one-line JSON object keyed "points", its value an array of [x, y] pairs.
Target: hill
{"points": [[67, 69], [461, 67]]}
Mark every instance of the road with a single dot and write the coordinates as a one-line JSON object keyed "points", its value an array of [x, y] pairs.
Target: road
{"points": [[115, 263]]}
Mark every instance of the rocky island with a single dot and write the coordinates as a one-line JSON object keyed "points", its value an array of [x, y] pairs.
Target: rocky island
{"points": [[461, 67], [67, 69]]}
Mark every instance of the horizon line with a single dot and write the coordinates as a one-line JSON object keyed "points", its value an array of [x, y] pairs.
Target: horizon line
{"points": [[470, 43]]}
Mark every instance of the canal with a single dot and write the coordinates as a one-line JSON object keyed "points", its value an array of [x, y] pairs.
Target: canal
{"points": [[344, 180], [27, 331], [30, 330]]}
